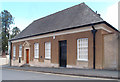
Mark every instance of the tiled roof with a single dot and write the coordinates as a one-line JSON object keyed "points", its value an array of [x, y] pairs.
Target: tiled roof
{"points": [[71, 17]]}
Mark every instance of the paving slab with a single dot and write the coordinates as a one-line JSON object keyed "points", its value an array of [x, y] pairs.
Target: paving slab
{"points": [[71, 71]]}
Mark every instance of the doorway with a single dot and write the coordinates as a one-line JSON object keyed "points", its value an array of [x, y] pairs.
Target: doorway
{"points": [[63, 53], [27, 56]]}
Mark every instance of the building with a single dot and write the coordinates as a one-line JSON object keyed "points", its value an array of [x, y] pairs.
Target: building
{"points": [[76, 37]]}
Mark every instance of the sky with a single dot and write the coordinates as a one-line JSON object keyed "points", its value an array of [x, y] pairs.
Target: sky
{"points": [[26, 11]]}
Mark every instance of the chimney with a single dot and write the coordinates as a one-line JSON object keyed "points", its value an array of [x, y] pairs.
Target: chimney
{"points": [[97, 13]]}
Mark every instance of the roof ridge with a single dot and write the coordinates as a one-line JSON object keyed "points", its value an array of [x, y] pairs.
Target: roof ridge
{"points": [[93, 12], [77, 15], [58, 12], [48, 16]]}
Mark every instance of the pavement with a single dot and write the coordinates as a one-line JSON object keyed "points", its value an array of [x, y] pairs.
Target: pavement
{"points": [[9, 74], [112, 74]]}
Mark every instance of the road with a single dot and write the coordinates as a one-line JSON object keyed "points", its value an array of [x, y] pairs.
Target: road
{"points": [[30, 75]]}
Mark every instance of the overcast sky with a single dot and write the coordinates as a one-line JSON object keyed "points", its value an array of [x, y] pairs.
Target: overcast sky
{"points": [[26, 11]]}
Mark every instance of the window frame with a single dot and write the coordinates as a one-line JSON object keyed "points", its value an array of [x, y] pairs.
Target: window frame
{"points": [[48, 50], [20, 52], [80, 48], [36, 53]]}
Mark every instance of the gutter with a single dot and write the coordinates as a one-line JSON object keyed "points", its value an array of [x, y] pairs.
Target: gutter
{"points": [[102, 22], [94, 34]]}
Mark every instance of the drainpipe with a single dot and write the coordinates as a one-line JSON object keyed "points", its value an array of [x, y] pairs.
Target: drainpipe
{"points": [[94, 33], [9, 51]]}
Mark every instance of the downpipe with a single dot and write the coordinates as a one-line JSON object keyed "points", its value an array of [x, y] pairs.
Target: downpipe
{"points": [[94, 34], [9, 51]]}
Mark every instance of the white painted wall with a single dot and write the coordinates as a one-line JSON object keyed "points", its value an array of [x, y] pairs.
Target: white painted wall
{"points": [[4, 61]]}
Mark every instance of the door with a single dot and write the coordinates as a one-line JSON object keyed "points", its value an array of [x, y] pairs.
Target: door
{"points": [[27, 56], [62, 53]]}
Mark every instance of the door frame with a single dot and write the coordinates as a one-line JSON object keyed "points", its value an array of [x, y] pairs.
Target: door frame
{"points": [[59, 52], [25, 55]]}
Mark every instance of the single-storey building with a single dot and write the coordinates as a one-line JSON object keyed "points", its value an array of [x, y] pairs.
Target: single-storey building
{"points": [[76, 37]]}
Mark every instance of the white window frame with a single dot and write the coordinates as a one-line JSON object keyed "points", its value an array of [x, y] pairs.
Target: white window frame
{"points": [[20, 50], [36, 50], [47, 50], [82, 49], [14, 51]]}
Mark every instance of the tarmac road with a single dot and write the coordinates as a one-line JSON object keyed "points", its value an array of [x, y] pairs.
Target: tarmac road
{"points": [[8, 74]]}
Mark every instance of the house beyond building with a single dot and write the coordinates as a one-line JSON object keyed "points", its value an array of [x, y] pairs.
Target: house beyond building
{"points": [[76, 37]]}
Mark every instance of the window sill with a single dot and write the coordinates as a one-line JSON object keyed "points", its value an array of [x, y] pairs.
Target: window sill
{"points": [[14, 58], [47, 59], [36, 58], [83, 60]]}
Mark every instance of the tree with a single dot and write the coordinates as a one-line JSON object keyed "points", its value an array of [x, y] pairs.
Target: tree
{"points": [[15, 31], [4, 41], [7, 20], [0, 36]]}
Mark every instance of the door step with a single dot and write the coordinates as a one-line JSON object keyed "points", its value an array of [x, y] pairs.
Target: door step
{"points": [[25, 65]]}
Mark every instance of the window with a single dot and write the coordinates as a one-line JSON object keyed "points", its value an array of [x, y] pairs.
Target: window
{"points": [[20, 51], [9, 47], [14, 51], [82, 49], [36, 50], [48, 50]]}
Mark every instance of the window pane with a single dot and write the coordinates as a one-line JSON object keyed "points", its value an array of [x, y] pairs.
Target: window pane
{"points": [[20, 51], [36, 50], [14, 51], [82, 49], [48, 50]]}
